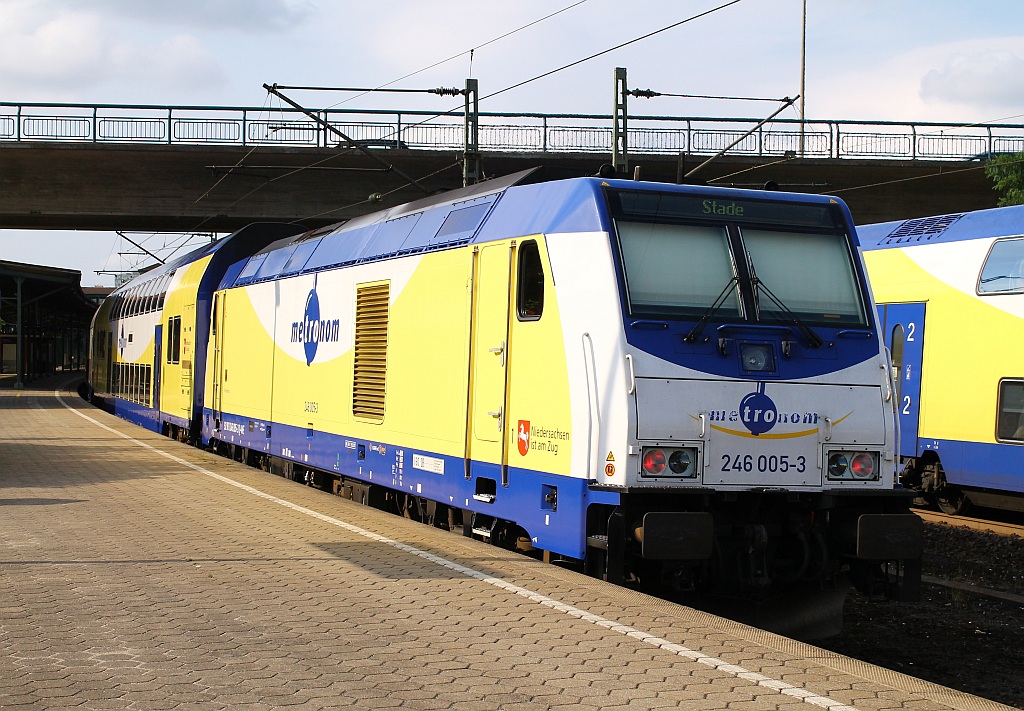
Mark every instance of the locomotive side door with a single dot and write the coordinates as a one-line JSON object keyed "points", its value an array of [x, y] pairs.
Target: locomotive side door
{"points": [[903, 325], [485, 440], [217, 325]]}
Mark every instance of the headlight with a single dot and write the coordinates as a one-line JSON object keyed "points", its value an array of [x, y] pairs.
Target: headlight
{"points": [[837, 465], [859, 466], [757, 357], [675, 462], [680, 462]]}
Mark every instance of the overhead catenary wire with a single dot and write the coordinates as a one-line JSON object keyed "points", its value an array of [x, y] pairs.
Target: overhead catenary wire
{"points": [[720, 178], [916, 177], [789, 102], [328, 126], [319, 162], [606, 51], [852, 188], [468, 51], [129, 239], [200, 199], [377, 197], [496, 93], [616, 47], [583, 60]]}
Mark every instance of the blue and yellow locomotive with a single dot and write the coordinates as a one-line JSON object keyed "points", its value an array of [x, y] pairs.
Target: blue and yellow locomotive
{"points": [[667, 384]]}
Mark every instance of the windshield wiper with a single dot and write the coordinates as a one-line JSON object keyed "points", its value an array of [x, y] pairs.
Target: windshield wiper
{"points": [[698, 328], [813, 339]]}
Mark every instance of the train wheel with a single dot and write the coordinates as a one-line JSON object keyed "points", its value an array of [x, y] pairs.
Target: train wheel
{"points": [[952, 501]]}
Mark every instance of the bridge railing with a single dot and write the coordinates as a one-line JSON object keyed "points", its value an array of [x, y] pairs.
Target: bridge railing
{"points": [[508, 132]]}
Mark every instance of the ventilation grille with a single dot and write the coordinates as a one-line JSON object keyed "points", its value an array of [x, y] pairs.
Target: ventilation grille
{"points": [[371, 358], [923, 229]]}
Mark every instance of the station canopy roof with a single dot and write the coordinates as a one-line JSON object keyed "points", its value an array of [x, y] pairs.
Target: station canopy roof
{"points": [[57, 290]]}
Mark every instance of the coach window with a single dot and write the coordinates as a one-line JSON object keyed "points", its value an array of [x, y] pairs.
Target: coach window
{"points": [[174, 339], [1010, 425], [530, 278], [151, 300], [1004, 268]]}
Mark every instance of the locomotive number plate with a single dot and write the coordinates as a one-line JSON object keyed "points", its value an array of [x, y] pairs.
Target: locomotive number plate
{"points": [[764, 463]]}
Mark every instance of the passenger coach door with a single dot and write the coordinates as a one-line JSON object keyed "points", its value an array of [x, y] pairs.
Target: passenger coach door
{"points": [[158, 362], [219, 305], [188, 321], [903, 325], [485, 440]]}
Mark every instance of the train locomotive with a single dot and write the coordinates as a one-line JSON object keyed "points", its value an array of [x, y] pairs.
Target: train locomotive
{"points": [[666, 385], [950, 292]]}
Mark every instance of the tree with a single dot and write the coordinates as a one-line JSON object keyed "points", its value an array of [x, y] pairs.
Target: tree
{"points": [[1007, 171]]}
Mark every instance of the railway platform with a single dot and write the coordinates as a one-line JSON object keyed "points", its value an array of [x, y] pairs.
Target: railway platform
{"points": [[140, 573]]}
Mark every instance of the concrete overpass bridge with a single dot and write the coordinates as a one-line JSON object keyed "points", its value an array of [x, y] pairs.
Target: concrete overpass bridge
{"points": [[215, 169]]}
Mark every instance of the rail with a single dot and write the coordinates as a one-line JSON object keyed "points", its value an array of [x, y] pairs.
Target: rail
{"points": [[507, 132]]}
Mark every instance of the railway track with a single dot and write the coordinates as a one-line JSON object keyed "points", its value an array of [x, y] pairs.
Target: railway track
{"points": [[974, 524]]}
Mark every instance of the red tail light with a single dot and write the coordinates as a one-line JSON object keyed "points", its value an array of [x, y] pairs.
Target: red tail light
{"points": [[654, 461]]}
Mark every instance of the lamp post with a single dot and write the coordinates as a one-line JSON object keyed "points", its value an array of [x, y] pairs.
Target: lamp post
{"points": [[803, 74]]}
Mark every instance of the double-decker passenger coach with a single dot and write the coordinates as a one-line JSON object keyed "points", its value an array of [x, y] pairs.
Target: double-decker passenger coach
{"points": [[951, 298]]}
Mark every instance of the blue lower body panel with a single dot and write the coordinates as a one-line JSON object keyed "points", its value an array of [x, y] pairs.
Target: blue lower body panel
{"points": [[137, 414], [551, 508], [984, 465]]}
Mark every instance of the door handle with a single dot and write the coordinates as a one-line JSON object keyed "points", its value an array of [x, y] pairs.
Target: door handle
{"points": [[497, 415], [499, 350]]}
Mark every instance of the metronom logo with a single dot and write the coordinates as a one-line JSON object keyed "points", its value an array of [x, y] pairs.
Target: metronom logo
{"points": [[312, 329], [759, 414]]}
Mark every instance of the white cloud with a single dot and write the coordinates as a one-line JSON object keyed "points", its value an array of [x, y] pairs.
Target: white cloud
{"points": [[61, 51], [986, 76], [972, 80], [79, 56], [237, 15], [178, 62]]}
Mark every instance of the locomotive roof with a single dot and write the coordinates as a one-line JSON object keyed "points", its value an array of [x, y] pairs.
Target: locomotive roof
{"points": [[954, 227], [488, 211], [233, 244]]}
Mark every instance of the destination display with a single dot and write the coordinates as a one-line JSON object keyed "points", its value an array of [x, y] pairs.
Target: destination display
{"points": [[630, 204]]}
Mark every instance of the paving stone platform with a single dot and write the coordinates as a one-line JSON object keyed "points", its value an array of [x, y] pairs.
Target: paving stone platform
{"points": [[140, 573]]}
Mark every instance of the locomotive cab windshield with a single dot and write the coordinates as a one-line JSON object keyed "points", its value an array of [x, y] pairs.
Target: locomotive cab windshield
{"points": [[741, 261]]}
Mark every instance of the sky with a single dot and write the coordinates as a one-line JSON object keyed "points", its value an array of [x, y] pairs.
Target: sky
{"points": [[871, 60]]}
